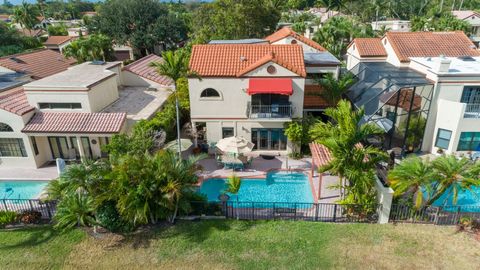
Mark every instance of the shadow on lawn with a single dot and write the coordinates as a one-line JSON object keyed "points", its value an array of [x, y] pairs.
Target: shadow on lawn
{"points": [[36, 236]]}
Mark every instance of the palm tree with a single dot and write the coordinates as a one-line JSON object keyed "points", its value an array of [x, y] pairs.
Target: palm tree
{"points": [[342, 136], [233, 186], [25, 15], [76, 209], [453, 175], [411, 176], [174, 66], [334, 89]]}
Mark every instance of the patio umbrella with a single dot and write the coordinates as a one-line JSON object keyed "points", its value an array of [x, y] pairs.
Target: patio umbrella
{"points": [[235, 145], [173, 145]]}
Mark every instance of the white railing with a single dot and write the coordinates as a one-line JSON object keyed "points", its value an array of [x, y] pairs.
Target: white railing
{"points": [[269, 111], [472, 111]]}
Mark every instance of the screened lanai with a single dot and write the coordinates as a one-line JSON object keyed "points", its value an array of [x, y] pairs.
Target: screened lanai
{"points": [[396, 99]]}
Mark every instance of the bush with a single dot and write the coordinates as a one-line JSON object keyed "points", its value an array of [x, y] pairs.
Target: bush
{"points": [[7, 217], [109, 218], [30, 217]]}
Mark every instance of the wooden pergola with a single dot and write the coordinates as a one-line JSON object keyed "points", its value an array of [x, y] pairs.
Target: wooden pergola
{"points": [[320, 156]]}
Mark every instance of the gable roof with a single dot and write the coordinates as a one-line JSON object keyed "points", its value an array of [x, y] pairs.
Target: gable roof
{"points": [[57, 40], [142, 68], [235, 60], [38, 64], [32, 33], [464, 14], [78, 122], [15, 101], [431, 44], [287, 31], [369, 47]]}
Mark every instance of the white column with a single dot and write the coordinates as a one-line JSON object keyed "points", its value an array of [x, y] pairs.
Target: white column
{"points": [[80, 148], [384, 198]]}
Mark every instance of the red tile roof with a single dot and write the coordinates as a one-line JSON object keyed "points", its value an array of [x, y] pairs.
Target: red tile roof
{"points": [[57, 40], [38, 64], [431, 44], [321, 156], [286, 32], [15, 101], [369, 47], [78, 122], [464, 14], [312, 98], [235, 60], [142, 68]]}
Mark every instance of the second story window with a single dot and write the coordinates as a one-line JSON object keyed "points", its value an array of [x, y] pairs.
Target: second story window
{"points": [[210, 93], [59, 106], [5, 128], [471, 95]]}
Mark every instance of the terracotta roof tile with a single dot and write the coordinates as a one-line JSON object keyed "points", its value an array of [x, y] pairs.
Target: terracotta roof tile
{"points": [[234, 60], [370, 47], [38, 64], [321, 156], [78, 122], [431, 44], [15, 101], [142, 68], [286, 32], [313, 99], [57, 40]]}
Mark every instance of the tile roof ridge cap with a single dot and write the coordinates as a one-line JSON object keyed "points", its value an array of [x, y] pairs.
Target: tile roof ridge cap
{"points": [[24, 53]]}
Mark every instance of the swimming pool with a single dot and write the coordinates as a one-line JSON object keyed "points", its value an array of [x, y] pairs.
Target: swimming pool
{"points": [[285, 187], [21, 189], [469, 200]]}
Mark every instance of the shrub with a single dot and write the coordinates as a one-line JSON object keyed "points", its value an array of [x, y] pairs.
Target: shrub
{"points": [[109, 218], [30, 217], [7, 217]]}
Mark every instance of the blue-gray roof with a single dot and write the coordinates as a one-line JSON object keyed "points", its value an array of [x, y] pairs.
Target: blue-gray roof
{"points": [[10, 80], [320, 58], [239, 41]]}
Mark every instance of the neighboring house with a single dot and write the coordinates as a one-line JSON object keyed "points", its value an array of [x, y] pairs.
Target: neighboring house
{"points": [[33, 33], [89, 13], [391, 25], [5, 18], [422, 88], [77, 31], [123, 52], [71, 114], [58, 43], [472, 18], [247, 90], [140, 73]]}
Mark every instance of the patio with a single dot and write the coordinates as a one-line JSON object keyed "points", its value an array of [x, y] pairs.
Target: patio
{"points": [[260, 167], [43, 173]]}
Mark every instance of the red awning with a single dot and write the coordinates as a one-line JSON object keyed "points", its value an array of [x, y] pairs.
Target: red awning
{"points": [[270, 86]]}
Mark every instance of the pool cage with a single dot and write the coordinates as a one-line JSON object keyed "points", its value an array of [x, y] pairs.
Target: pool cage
{"points": [[396, 99]]}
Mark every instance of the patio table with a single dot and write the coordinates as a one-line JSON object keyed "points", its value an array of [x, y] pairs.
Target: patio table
{"points": [[233, 162]]}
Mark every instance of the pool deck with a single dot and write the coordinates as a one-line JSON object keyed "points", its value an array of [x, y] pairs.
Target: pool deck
{"points": [[260, 167], [43, 173]]}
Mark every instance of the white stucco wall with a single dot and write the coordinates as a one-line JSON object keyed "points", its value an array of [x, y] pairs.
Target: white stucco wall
{"points": [[288, 40], [103, 94], [131, 79]]}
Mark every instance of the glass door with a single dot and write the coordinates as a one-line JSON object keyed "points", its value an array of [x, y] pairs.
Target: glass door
{"points": [[59, 147]]}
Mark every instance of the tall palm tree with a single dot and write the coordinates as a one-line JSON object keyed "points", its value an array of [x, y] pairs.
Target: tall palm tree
{"points": [[175, 66], [342, 136], [453, 175], [25, 15], [334, 89], [411, 176]]}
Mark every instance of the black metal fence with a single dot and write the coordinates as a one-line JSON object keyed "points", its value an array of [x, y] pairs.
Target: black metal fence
{"points": [[322, 212], [47, 209], [447, 215]]}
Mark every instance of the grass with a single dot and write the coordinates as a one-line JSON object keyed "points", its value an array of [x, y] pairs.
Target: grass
{"points": [[247, 245]]}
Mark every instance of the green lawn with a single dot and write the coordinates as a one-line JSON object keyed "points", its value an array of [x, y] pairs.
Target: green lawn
{"points": [[246, 245]]}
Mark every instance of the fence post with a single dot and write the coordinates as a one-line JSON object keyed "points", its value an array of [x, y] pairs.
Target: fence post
{"points": [[437, 213], [253, 210], [457, 215], [274, 211], [316, 211], [295, 214], [5, 205], [31, 206], [225, 206], [335, 213]]}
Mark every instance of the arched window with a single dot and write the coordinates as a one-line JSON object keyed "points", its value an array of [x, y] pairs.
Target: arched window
{"points": [[209, 92], [5, 128]]}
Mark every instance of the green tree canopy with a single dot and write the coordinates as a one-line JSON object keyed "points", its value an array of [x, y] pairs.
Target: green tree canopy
{"points": [[142, 24], [93, 47]]}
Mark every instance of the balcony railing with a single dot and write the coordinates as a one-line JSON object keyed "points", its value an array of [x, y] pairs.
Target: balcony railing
{"points": [[269, 111], [472, 111]]}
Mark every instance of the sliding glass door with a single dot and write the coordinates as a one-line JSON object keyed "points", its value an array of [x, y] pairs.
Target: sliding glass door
{"points": [[269, 139], [59, 147]]}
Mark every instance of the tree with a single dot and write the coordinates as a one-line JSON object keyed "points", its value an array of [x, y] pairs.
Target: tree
{"points": [[411, 176], [297, 132], [75, 209], [174, 66], [334, 89], [25, 15], [12, 42], [229, 19], [343, 136], [57, 30], [93, 47], [443, 22], [142, 24]]}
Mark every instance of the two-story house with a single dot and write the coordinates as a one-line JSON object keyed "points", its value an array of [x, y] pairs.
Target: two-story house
{"points": [[420, 87], [73, 113]]}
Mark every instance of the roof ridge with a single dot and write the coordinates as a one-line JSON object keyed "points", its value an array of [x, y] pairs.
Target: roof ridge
{"points": [[23, 53]]}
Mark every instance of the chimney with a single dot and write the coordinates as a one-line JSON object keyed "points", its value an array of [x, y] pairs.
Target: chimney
{"points": [[443, 65]]}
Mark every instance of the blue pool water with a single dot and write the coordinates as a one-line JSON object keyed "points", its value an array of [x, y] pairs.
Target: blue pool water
{"points": [[469, 200], [21, 189], [277, 187]]}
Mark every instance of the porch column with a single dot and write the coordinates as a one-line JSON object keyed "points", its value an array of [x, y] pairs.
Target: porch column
{"points": [[195, 135], [80, 148], [320, 176]]}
